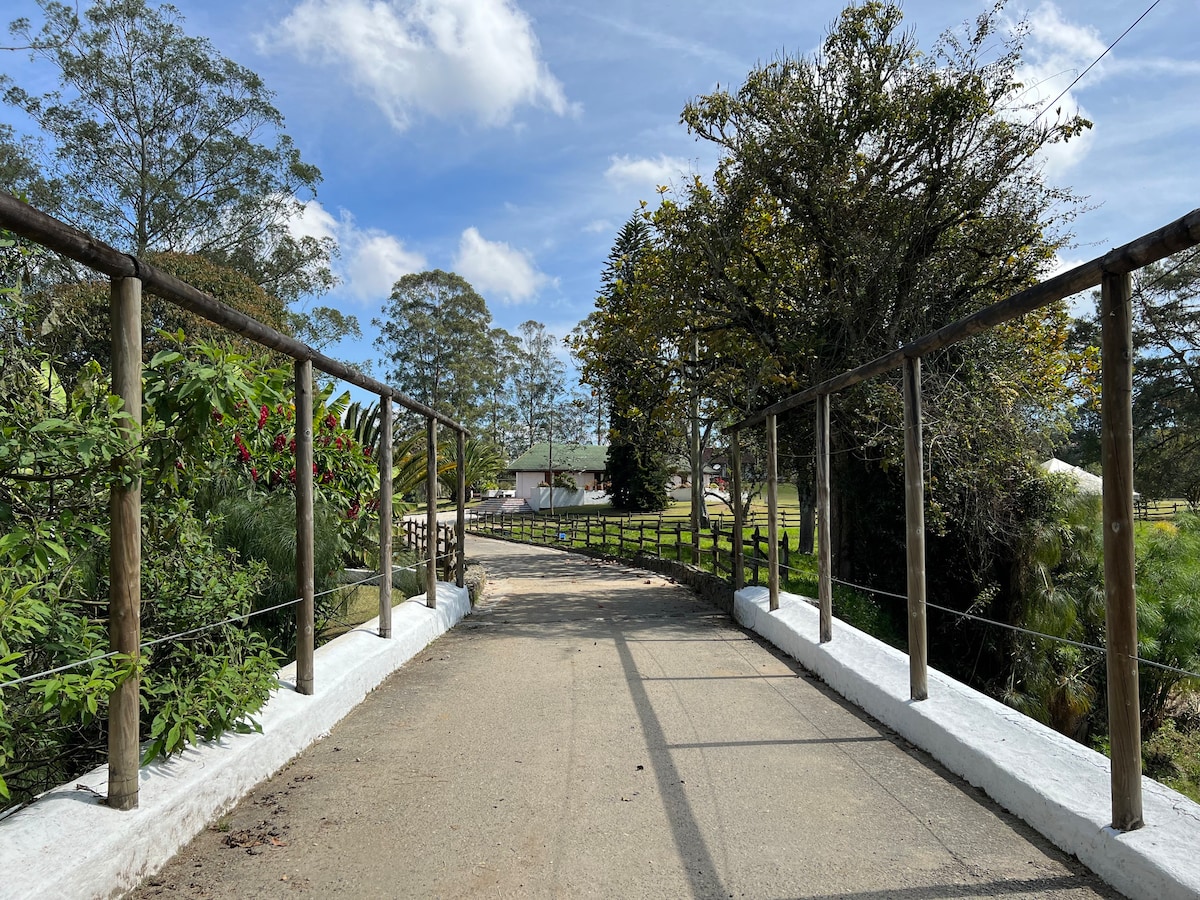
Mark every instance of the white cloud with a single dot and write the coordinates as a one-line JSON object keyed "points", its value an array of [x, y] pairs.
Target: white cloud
{"points": [[1056, 38], [478, 59], [643, 172], [377, 261], [371, 259], [1056, 52], [495, 267], [314, 221], [600, 226]]}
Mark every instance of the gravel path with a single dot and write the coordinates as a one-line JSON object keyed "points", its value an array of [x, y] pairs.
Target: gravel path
{"points": [[593, 730]]}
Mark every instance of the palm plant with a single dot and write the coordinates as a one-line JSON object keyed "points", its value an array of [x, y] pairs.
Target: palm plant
{"points": [[482, 459]]}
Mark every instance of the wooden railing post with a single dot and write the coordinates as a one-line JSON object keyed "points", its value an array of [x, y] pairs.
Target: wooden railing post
{"points": [[385, 517], [125, 548], [431, 458], [305, 587], [1124, 713], [461, 518], [914, 506], [772, 513], [824, 558], [739, 550]]}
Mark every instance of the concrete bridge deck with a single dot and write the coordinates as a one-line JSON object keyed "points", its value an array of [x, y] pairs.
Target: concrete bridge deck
{"points": [[595, 731]]}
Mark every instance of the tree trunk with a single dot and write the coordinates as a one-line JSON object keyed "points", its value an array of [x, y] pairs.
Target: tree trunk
{"points": [[841, 526], [808, 517]]}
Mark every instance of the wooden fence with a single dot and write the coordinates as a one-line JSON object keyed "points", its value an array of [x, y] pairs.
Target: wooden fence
{"points": [[713, 547], [1159, 510], [445, 553]]}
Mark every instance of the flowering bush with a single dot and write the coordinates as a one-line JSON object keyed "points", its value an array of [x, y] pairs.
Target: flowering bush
{"points": [[239, 420]]}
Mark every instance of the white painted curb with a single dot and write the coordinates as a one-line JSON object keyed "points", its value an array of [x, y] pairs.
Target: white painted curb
{"points": [[69, 845], [1059, 787]]}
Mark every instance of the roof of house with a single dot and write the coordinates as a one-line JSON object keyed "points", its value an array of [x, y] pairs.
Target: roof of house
{"points": [[567, 458], [1085, 481]]}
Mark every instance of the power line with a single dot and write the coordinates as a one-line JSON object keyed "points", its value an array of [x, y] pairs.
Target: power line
{"points": [[1096, 60]]}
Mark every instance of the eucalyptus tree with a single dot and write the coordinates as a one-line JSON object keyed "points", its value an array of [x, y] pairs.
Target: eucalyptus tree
{"points": [[158, 142], [538, 380], [500, 414], [435, 342], [1166, 381]]}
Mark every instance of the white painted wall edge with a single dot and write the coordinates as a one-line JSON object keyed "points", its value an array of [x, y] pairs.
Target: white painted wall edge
{"points": [[1058, 786], [70, 845]]}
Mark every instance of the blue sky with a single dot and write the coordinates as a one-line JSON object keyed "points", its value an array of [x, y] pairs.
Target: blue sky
{"points": [[508, 140]]}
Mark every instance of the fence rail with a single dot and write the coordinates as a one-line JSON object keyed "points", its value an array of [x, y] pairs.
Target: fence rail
{"points": [[667, 537], [1159, 510]]}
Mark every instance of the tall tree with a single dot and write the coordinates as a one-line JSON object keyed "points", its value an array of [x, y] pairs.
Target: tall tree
{"points": [[500, 415], [1166, 381], [161, 143], [1166, 386], [867, 194], [435, 341], [538, 380], [637, 368]]}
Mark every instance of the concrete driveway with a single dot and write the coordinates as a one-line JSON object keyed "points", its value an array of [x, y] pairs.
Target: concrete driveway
{"points": [[593, 730]]}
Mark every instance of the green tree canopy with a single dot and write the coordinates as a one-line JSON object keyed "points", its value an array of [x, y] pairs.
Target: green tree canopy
{"points": [[434, 341], [634, 367], [537, 381], [161, 143], [1166, 381], [866, 194]]}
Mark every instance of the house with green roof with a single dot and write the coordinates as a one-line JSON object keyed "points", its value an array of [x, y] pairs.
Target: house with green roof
{"points": [[584, 463]]}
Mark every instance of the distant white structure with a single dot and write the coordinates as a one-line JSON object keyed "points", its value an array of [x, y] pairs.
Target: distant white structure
{"points": [[1085, 481]]}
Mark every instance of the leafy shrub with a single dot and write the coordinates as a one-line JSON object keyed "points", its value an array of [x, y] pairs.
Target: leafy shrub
{"points": [[216, 463], [1173, 757]]}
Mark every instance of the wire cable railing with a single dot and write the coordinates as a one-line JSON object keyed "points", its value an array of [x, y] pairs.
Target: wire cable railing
{"points": [[372, 579], [963, 614]]}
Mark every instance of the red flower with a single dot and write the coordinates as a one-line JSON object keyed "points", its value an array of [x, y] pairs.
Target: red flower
{"points": [[253, 474], [326, 477], [338, 443], [217, 415], [367, 452], [314, 468], [292, 476], [242, 451], [179, 464], [292, 445], [280, 441], [262, 416], [331, 421]]}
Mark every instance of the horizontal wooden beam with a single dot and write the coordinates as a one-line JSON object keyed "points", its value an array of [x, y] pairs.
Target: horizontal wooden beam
{"points": [[1179, 235], [28, 222]]}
